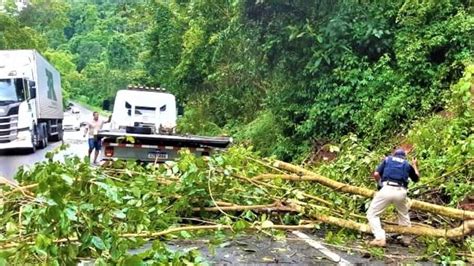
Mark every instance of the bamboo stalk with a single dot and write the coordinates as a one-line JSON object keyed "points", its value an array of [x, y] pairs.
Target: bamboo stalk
{"points": [[266, 207], [268, 165], [259, 184], [287, 177], [22, 189], [465, 229], [224, 203], [6, 181], [415, 204]]}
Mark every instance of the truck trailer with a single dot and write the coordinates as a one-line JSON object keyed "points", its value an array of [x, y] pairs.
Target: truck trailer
{"points": [[31, 109], [143, 128]]}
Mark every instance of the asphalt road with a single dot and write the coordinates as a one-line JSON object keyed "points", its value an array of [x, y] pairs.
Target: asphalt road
{"points": [[11, 160]]}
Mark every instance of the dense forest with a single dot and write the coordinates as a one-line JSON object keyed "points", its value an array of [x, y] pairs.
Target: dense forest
{"points": [[330, 84], [285, 76]]}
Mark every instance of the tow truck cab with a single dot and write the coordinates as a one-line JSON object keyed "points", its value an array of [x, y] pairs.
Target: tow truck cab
{"points": [[143, 127]]}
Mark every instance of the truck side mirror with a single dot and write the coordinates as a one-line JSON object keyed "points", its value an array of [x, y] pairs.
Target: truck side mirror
{"points": [[32, 86], [180, 110], [106, 105]]}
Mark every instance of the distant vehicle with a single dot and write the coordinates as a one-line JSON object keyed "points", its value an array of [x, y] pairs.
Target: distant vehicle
{"points": [[31, 109], [75, 110], [148, 117], [71, 122]]}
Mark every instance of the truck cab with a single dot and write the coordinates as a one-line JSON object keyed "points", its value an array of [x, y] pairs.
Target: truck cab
{"points": [[142, 128], [16, 109], [144, 111], [31, 109]]}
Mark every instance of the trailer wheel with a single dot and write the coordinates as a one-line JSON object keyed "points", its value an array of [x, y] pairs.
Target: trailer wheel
{"points": [[34, 142], [60, 131], [59, 136]]}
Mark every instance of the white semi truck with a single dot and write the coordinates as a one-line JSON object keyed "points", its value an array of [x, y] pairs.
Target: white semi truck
{"points": [[31, 109], [142, 128]]}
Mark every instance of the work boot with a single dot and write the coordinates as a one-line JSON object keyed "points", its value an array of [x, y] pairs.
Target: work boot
{"points": [[406, 241], [377, 243]]}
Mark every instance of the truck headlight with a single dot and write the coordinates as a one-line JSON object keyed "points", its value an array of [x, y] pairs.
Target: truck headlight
{"points": [[23, 135]]}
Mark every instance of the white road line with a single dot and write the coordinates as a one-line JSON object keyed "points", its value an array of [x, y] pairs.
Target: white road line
{"points": [[317, 245]]}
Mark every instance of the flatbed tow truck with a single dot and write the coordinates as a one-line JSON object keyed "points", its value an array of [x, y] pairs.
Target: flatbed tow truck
{"points": [[143, 128]]}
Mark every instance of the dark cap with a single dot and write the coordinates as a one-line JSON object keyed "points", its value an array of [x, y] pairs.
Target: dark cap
{"points": [[400, 153]]}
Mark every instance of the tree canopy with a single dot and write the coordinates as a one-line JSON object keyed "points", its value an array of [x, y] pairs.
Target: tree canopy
{"points": [[295, 72]]}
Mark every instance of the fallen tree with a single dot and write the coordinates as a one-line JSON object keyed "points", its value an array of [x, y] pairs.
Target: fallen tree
{"points": [[466, 228], [306, 175], [62, 211]]}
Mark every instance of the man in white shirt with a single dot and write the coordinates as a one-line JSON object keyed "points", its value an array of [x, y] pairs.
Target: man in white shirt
{"points": [[93, 128]]}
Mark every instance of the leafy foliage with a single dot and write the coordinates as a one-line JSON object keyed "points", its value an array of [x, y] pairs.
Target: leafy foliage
{"points": [[78, 211], [14, 35], [87, 42], [68, 211], [322, 70], [317, 71]]}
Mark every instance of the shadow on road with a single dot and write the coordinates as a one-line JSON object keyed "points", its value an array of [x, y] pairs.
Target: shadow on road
{"points": [[14, 152]]}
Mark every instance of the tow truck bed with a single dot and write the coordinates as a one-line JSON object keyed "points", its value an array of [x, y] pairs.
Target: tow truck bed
{"points": [[156, 147]]}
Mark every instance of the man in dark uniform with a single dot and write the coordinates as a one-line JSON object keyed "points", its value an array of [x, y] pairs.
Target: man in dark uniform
{"points": [[392, 173]]}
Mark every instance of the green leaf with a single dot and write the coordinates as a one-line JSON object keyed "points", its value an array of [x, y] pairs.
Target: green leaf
{"points": [[100, 262], [133, 261], [267, 224], [130, 139], [71, 214], [69, 180], [175, 169], [42, 241], [185, 234], [119, 214], [86, 207], [11, 228], [240, 225], [98, 243]]}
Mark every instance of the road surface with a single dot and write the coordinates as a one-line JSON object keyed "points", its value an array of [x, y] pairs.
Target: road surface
{"points": [[10, 161]]}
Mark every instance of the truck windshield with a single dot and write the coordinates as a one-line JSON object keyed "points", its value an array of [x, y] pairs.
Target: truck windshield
{"points": [[140, 110], [11, 91]]}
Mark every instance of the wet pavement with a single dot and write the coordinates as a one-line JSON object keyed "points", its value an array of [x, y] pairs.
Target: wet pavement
{"points": [[261, 249]]}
